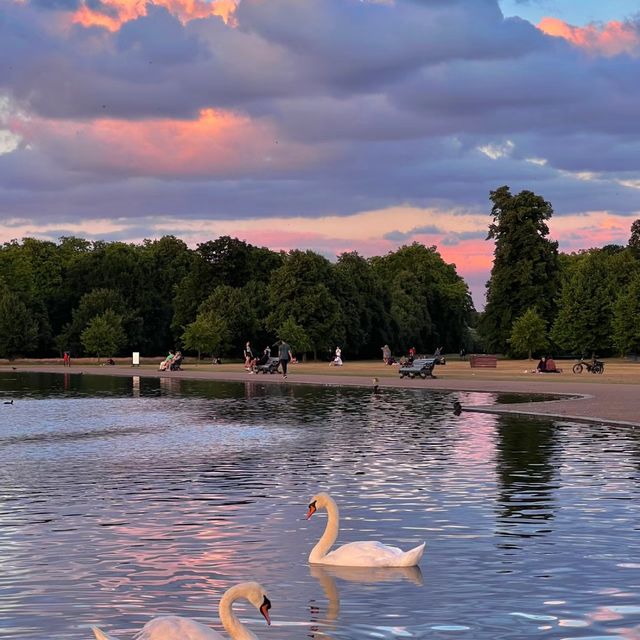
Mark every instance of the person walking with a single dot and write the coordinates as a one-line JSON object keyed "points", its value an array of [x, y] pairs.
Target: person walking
{"points": [[248, 356], [284, 353]]}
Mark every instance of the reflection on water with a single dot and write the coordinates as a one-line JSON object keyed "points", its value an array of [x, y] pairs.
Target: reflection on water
{"points": [[121, 499]]}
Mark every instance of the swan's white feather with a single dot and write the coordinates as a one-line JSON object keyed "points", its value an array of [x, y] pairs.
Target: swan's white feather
{"points": [[373, 554], [176, 628], [101, 635]]}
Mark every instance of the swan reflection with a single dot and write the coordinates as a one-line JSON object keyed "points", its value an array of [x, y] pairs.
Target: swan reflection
{"points": [[326, 575]]}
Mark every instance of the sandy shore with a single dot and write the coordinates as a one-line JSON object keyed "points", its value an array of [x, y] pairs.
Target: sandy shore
{"points": [[610, 398]]}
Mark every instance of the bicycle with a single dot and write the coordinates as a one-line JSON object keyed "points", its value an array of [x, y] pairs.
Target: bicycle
{"points": [[593, 366]]}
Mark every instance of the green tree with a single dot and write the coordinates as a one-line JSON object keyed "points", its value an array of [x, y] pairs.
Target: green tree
{"points": [[364, 301], [429, 304], [295, 336], [18, 329], [207, 333], [224, 261], [236, 308], [634, 239], [525, 271], [96, 303], [104, 334], [584, 320], [626, 318], [303, 289], [528, 333]]}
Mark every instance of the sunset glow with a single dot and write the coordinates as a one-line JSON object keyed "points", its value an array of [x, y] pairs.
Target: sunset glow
{"points": [[117, 12], [610, 39], [325, 125]]}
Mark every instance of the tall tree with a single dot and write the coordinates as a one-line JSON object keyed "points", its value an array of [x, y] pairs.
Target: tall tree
{"points": [[18, 330], [364, 302], [235, 308], [584, 320], [526, 271], [634, 239], [303, 289], [429, 303], [626, 318]]}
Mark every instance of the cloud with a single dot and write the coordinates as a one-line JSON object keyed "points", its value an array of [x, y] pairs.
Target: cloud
{"points": [[308, 111], [610, 39], [217, 144], [112, 14]]}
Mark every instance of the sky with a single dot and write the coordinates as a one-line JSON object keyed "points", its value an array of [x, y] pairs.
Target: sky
{"points": [[331, 125]]}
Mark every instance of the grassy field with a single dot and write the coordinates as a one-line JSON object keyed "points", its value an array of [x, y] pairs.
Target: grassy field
{"points": [[617, 370]]}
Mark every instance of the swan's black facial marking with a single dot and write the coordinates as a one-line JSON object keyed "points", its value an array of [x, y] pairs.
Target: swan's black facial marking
{"points": [[312, 509], [264, 609]]}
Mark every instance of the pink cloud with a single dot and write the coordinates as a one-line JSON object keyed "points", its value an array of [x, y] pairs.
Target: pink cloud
{"points": [[610, 39], [217, 143], [112, 14]]}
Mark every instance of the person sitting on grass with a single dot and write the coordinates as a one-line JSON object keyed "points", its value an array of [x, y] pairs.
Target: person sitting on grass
{"points": [[551, 366], [176, 362], [541, 367]]}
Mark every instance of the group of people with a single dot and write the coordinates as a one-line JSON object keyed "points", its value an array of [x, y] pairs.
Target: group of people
{"points": [[252, 362], [172, 362], [547, 365], [285, 357]]}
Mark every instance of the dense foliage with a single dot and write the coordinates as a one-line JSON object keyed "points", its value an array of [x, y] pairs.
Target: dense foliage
{"points": [[588, 300], [113, 297], [526, 268]]}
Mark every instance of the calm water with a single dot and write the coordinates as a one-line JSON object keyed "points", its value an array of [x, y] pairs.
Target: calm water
{"points": [[121, 499]]}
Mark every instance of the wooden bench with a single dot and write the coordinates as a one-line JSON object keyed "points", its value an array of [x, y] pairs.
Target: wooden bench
{"points": [[483, 362], [422, 367]]}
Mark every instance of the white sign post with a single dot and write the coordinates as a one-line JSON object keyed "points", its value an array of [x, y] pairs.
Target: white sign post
{"points": [[135, 359]]}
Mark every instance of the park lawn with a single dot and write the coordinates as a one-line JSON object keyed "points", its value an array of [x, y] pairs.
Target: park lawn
{"points": [[617, 370]]}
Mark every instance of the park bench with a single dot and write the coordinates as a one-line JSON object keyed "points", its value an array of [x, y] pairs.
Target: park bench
{"points": [[422, 367], [271, 366], [483, 362]]}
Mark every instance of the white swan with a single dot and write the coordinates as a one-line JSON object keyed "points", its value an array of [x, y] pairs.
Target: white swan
{"points": [[355, 554], [177, 628]]}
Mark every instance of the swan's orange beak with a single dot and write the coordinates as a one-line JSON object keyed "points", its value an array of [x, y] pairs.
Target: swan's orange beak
{"points": [[264, 609], [312, 510]]}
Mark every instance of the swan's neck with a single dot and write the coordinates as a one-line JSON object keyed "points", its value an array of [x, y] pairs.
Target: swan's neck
{"points": [[231, 623], [330, 533]]}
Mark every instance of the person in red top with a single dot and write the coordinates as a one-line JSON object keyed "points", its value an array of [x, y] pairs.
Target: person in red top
{"points": [[551, 366]]}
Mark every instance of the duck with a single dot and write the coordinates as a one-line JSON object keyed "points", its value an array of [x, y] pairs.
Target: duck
{"points": [[8, 402], [355, 554], [457, 408], [178, 628]]}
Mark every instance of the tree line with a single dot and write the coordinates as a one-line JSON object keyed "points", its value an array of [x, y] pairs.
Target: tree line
{"points": [[540, 300], [110, 298]]}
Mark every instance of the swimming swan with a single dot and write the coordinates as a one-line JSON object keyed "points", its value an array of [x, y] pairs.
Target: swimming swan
{"points": [[177, 628], [355, 554]]}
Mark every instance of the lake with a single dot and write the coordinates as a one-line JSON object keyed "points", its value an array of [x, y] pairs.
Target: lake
{"points": [[122, 499]]}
